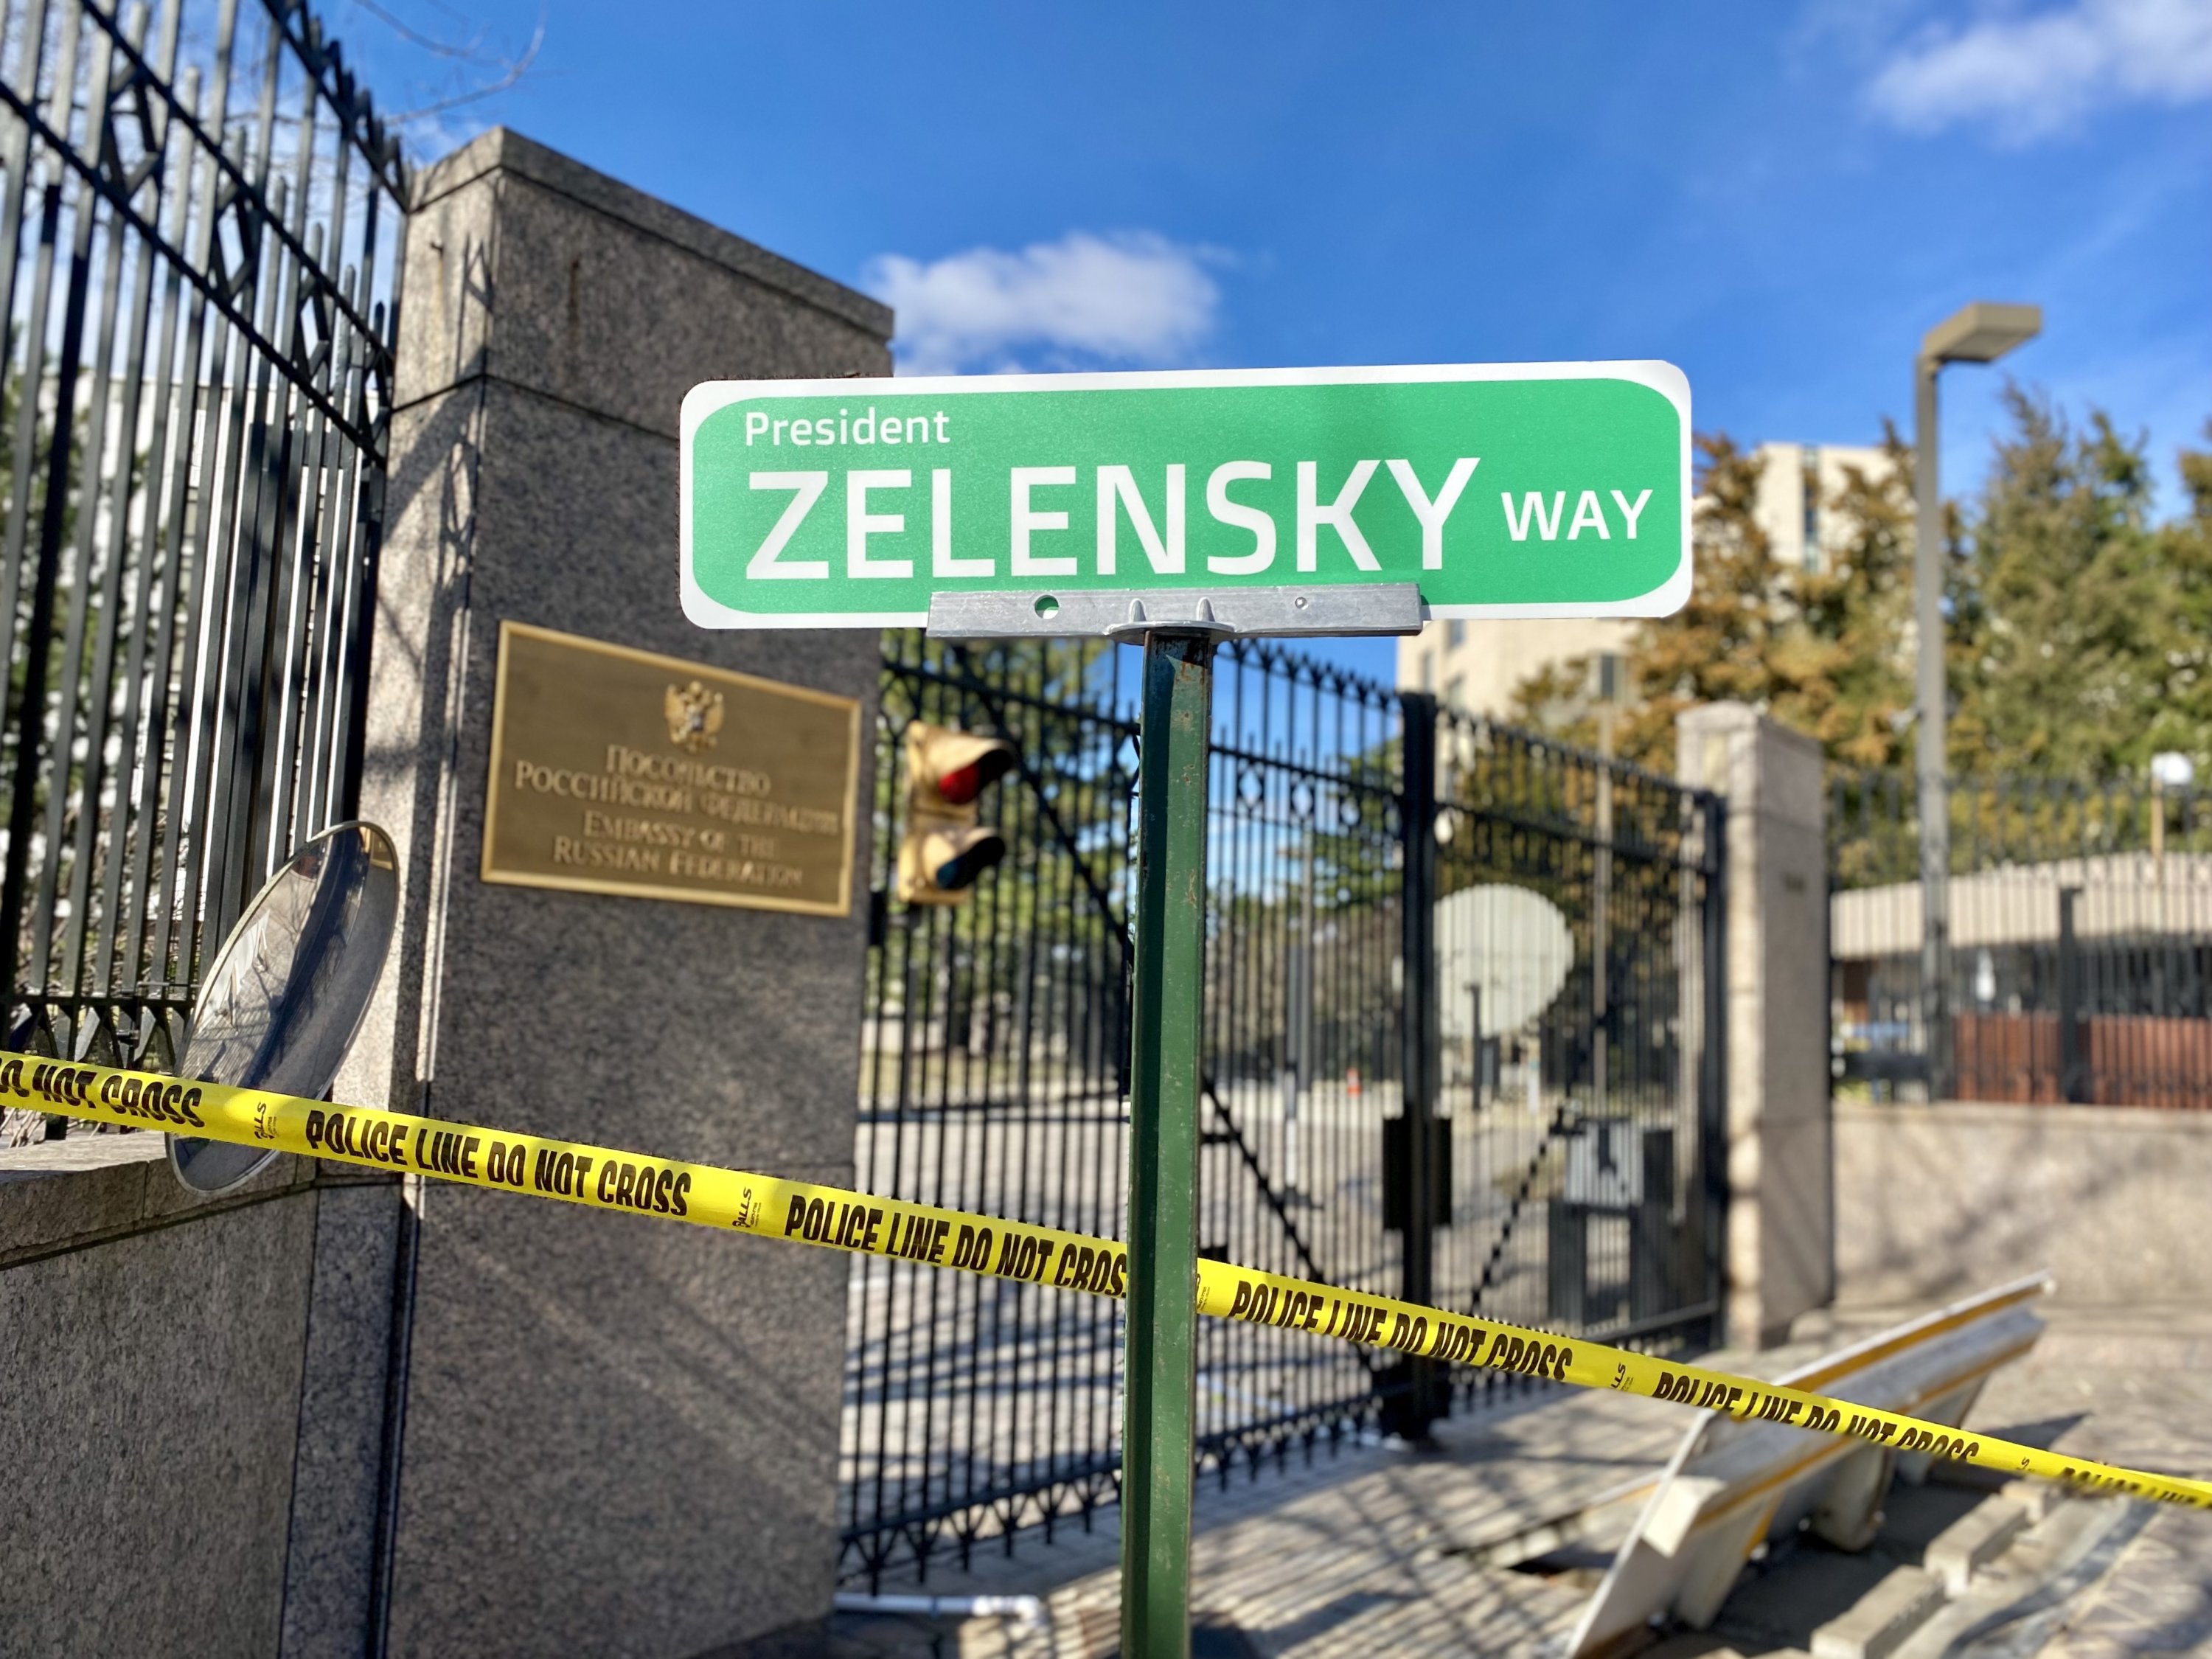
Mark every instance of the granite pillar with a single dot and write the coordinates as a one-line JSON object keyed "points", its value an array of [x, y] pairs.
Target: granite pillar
{"points": [[594, 1433], [1780, 1256]]}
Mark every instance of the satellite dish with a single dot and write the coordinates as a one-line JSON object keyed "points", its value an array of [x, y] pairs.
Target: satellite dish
{"points": [[289, 986], [1512, 945]]}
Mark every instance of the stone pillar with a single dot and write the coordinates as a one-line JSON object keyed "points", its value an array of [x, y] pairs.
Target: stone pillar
{"points": [[600, 1434], [1781, 1228]]}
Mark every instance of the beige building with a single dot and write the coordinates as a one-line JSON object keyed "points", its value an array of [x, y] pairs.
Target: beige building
{"points": [[1475, 666], [1797, 492]]}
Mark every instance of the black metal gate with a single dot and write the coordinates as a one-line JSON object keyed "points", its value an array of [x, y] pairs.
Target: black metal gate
{"points": [[200, 223], [1561, 1046], [2077, 944]]}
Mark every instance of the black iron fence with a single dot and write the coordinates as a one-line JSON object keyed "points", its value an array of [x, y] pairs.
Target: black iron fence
{"points": [[1579, 933], [200, 219], [2079, 954], [1560, 1046]]}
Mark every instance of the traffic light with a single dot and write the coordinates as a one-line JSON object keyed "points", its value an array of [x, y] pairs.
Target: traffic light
{"points": [[945, 850]]}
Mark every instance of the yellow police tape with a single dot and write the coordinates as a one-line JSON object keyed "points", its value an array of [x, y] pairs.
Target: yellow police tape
{"points": [[727, 1198]]}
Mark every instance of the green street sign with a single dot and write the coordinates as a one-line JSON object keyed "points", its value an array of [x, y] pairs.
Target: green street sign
{"points": [[1545, 489]]}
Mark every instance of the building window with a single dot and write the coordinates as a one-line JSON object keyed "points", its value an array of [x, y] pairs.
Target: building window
{"points": [[1455, 634], [1810, 554], [1452, 691], [1428, 670]]}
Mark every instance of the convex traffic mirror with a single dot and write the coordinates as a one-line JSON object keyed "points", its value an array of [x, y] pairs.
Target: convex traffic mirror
{"points": [[288, 990]]}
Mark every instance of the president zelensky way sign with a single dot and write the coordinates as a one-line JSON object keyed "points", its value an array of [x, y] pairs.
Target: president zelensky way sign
{"points": [[1546, 489]]}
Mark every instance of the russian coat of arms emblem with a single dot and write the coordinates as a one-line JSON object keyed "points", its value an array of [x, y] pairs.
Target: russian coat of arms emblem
{"points": [[694, 715]]}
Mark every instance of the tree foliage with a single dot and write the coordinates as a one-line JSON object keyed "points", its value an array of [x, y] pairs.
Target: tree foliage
{"points": [[2078, 635], [1823, 649], [2077, 645], [2185, 721]]}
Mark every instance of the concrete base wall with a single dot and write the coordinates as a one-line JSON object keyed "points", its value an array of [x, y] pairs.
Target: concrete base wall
{"points": [[341, 1465], [1934, 1200], [152, 1346]]}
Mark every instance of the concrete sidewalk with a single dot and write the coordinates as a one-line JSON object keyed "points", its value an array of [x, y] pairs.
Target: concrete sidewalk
{"points": [[1371, 1550], [2131, 1386], [2127, 1386], [1356, 1552], [1366, 1550]]}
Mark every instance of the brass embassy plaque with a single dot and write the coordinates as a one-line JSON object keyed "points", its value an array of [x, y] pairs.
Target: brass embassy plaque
{"points": [[619, 771]]}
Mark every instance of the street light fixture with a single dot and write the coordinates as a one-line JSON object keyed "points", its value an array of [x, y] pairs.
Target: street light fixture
{"points": [[2172, 769], [1979, 333]]}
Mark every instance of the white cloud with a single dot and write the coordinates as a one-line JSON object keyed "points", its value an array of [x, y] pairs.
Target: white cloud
{"points": [[2030, 75], [1133, 299]]}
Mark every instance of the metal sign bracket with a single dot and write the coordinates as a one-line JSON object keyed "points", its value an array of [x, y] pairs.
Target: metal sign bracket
{"points": [[1224, 612]]}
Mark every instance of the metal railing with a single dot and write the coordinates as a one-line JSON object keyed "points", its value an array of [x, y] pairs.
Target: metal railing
{"points": [[200, 225], [996, 1041], [2080, 942]]}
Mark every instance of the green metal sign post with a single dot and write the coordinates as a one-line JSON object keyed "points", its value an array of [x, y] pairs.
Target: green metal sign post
{"points": [[1158, 1428], [1175, 510]]}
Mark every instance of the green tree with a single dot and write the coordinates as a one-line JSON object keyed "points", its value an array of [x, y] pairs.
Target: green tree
{"points": [[2079, 638], [2069, 646], [1854, 615], [2183, 718], [1820, 648]]}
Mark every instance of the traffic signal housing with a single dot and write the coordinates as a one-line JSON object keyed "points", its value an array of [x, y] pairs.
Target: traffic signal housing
{"points": [[945, 851]]}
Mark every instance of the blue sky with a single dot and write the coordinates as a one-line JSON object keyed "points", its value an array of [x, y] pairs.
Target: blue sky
{"points": [[1779, 197]]}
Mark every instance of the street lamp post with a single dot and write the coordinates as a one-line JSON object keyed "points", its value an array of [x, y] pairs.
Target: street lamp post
{"points": [[2169, 769], [1979, 333], [1607, 670]]}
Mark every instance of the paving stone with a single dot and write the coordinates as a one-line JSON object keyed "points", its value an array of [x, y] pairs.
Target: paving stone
{"points": [[1883, 1619], [2133, 1386], [1974, 1540]]}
